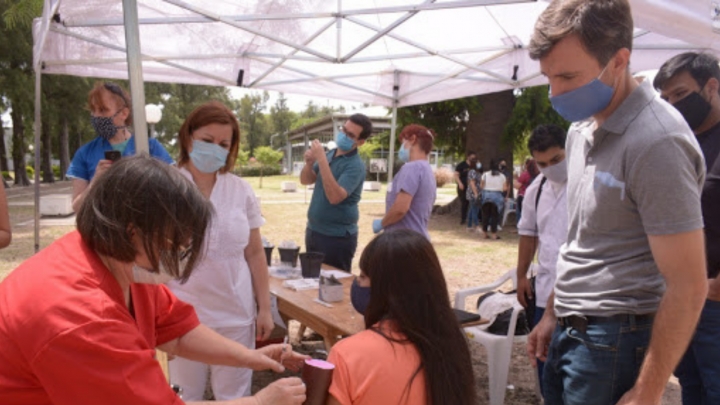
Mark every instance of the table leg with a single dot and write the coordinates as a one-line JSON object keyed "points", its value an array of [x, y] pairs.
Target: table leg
{"points": [[301, 332], [330, 342]]}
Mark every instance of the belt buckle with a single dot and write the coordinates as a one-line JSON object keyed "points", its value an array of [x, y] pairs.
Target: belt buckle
{"points": [[579, 323]]}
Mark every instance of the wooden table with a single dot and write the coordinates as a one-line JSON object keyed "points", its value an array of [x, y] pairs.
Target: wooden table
{"points": [[330, 323]]}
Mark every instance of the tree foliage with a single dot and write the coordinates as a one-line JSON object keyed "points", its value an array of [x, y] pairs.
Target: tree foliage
{"points": [[177, 102], [448, 119], [267, 157], [532, 108], [253, 121]]}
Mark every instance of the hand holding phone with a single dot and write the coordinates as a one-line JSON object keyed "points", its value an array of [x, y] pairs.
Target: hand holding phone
{"points": [[112, 155]]}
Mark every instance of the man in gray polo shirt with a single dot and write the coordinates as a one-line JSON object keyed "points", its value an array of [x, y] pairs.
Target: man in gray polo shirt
{"points": [[633, 264]]}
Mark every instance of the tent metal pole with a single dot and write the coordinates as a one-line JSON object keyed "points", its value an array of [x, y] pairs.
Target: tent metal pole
{"points": [[429, 52], [37, 67], [432, 51], [339, 83], [318, 78], [38, 130], [458, 73], [291, 54], [338, 26], [149, 57], [135, 74], [393, 125], [382, 32], [102, 22], [251, 30]]}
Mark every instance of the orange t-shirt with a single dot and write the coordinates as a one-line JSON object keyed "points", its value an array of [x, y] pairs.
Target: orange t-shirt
{"points": [[372, 370]]}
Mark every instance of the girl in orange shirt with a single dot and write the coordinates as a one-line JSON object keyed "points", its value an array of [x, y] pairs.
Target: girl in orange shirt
{"points": [[412, 351]]}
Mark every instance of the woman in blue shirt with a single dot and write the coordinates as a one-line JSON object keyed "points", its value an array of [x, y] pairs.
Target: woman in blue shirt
{"points": [[111, 116]]}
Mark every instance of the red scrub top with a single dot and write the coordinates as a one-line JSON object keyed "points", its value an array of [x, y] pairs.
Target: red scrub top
{"points": [[67, 337]]}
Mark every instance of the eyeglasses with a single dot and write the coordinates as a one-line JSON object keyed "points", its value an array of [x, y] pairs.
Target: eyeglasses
{"points": [[115, 89], [344, 130], [183, 252]]}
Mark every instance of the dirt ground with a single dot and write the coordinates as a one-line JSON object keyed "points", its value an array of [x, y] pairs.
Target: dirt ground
{"points": [[466, 259]]}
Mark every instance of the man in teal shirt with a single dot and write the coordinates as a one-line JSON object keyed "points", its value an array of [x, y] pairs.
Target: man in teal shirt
{"points": [[338, 176]]}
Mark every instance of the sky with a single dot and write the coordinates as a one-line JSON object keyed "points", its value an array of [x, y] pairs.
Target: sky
{"points": [[295, 102]]}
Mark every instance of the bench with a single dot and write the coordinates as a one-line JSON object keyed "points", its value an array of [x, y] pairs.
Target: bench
{"points": [[56, 205], [371, 186], [288, 186]]}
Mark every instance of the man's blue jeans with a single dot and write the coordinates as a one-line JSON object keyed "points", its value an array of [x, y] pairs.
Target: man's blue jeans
{"points": [[699, 369], [595, 367], [339, 250]]}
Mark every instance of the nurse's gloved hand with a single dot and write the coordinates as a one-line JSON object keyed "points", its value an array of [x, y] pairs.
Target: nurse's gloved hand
{"points": [[377, 225]]}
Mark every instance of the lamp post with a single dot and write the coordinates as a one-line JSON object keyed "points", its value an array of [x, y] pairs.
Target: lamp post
{"points": [[153, 114]]}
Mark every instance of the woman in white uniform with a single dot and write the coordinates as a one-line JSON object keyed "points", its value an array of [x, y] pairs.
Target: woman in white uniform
{"points": [[229, 289]]}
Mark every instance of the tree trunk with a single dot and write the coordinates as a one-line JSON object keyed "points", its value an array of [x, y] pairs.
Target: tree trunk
{"points": [[485, 129], [46, 154], [18, 150], [64, 148], [3, 151], [453, 207]]}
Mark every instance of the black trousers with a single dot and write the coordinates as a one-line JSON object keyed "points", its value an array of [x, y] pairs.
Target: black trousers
{"points": [[464, 203], [490, 217], [338, 250]]}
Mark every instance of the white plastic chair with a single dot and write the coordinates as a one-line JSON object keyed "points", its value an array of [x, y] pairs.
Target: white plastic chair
{"points": [[510, 207], [499, 347]]}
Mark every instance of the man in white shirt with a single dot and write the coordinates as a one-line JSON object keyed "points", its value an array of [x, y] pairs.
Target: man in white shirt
{"points": [[543, 226]]}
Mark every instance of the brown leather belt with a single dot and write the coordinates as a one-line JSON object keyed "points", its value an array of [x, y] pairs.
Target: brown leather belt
{"points": [[581, 322]]}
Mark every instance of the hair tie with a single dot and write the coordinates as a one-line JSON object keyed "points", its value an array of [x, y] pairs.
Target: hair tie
{"points": [[430, 133]]}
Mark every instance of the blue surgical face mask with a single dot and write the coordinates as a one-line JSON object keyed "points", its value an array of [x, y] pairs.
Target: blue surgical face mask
{"points": [[404, 153], [343, 142], [208, 157], [360, 297], [585, 101]]}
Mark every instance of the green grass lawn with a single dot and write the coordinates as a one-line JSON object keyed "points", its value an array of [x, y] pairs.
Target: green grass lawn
{"points": [[467, 260]]}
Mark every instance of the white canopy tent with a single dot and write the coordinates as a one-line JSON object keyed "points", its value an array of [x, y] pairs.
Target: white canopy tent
{"points": [[392, 53]]}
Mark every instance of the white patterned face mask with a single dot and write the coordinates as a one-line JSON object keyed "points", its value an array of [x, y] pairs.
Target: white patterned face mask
{"points": [[142, 275]]}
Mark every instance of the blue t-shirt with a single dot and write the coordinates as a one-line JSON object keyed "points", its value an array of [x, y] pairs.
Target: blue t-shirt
{"points": [[86, 158], [417, 179], [339, 219]]}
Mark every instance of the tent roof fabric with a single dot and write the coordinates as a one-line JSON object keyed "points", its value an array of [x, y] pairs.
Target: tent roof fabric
{"points": [[377, 52]]}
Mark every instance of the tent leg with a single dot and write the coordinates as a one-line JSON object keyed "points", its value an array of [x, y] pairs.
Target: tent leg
{"points": [[135, 74], [393, 125], [38, 130]]}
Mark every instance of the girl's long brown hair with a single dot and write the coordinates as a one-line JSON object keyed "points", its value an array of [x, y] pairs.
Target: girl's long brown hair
{"points": [[407, 286]]}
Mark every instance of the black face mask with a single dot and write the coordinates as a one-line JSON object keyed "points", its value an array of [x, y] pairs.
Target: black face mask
{"points": [[694, 108]]}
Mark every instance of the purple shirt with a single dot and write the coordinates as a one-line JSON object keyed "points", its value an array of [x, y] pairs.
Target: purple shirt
{"points": [[417, 179]]}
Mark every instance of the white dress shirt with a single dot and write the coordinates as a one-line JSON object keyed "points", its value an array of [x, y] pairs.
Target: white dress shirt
{"points": [[550, 224]]}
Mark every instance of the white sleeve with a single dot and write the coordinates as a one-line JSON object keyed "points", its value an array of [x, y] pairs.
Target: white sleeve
{"points": [[255, 218], [528, 221]]}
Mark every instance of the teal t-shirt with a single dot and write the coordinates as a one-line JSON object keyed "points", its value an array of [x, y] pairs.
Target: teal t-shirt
{"points": [[120, 147], [339, 219]]}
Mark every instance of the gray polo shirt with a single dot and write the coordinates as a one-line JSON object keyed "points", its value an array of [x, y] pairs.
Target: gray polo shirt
{"points": [[639, 174]]}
